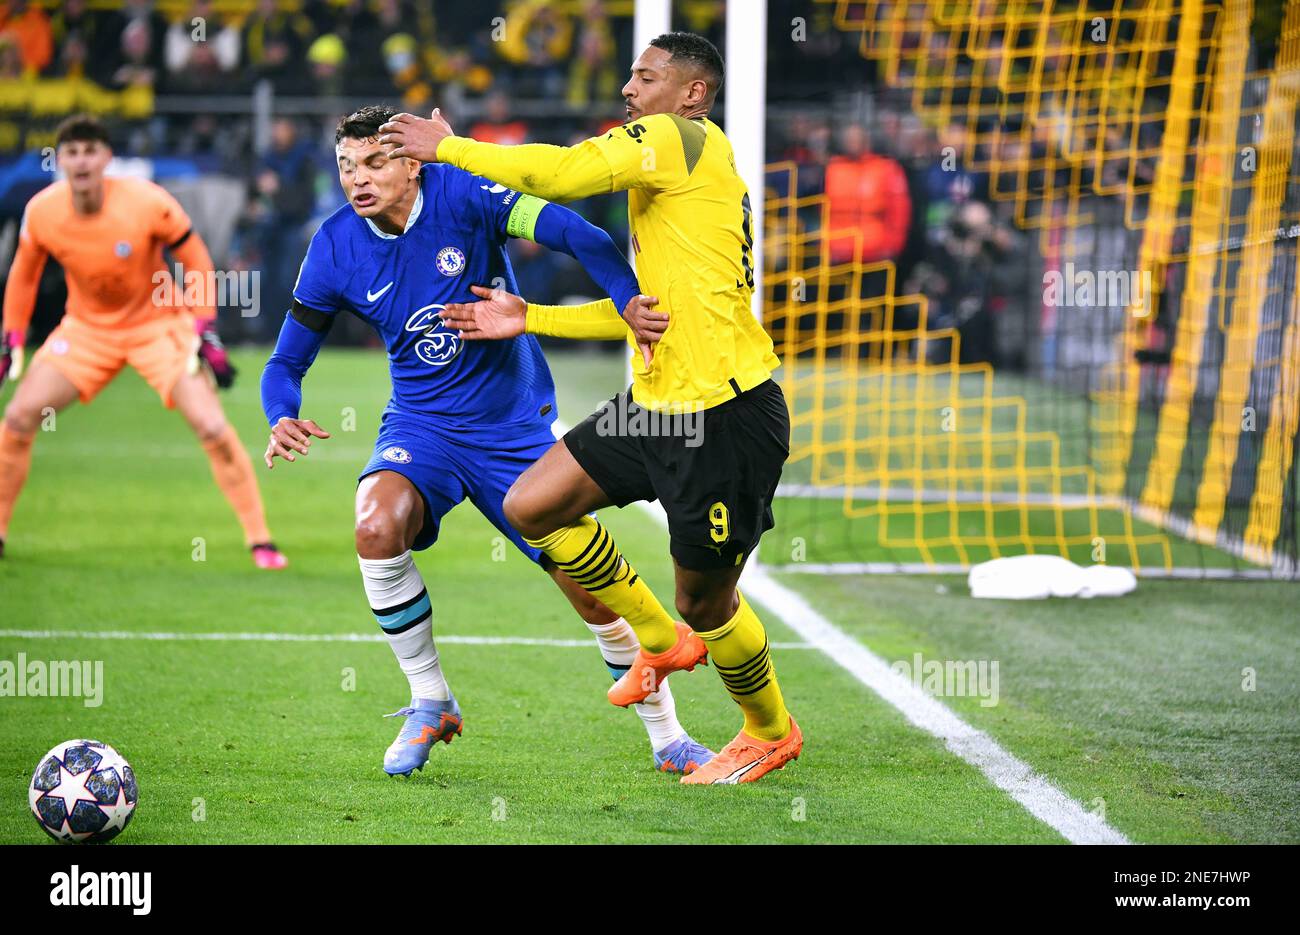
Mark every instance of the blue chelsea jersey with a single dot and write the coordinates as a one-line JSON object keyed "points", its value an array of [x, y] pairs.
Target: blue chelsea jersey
{"points": [[454, 238]]}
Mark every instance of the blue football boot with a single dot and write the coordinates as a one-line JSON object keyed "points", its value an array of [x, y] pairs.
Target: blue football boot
{"points": [[427, 722], [683, 755]]}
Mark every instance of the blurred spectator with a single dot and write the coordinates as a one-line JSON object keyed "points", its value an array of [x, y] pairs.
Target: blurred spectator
{"points": [[323, 15], [496, 125], [406, 72], [280, 204], [592, 72], [457, 72], [394, 16], [948, 183], [136, 77], [30, 29], [94, 30], [137, 68], [538, 38], [326, 58], [363, 31], [73, 55], [202, 134], [915, 146], [808, 143], [275, 44], [11, 59], [966, 280], [868, 195], [200, 51], [137, 11], [459, 52]]}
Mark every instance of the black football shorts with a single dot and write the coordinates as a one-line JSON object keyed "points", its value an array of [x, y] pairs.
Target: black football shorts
{"points": [[714, 471]]}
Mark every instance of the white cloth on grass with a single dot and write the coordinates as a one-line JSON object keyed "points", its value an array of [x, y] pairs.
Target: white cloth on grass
{"points": [[1035, 577]]}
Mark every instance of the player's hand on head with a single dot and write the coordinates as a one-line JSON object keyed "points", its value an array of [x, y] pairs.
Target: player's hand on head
{"points": [[647, 325], [498, 314], [289, 436], [415, 137]]}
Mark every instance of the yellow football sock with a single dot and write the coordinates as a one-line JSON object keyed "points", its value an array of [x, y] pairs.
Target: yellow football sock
{"points": [[586, 553], [739, 651]]}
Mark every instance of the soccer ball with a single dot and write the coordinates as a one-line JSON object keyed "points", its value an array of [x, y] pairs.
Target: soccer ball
{"points": [[83, 791]]}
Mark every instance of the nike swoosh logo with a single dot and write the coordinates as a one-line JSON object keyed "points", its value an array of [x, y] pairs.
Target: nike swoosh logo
{"points": [[738, 775], [735, 777], [496, 189], [372, 296]]}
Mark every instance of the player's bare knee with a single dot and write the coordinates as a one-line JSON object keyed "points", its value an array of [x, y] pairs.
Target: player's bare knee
{"points": [[209, 430], [689, 608], [521, 512], [380, 537], [705, 610], [20, 419]]}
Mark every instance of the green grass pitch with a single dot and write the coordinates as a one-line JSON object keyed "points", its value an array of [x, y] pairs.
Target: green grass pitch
{"points": [[1133, 705]]}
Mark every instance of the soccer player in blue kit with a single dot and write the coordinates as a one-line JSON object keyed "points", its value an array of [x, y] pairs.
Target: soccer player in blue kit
{"points": [[465, 418]]}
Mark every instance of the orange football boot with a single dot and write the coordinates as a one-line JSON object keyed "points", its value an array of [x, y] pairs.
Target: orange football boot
{"points": [[647, 671], [747, 758]]}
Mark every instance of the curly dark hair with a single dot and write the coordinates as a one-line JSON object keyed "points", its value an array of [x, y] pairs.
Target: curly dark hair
{"points": [[364, 123]]}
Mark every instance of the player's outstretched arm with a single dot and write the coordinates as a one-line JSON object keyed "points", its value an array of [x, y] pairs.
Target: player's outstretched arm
{"points": [[519, 214], [496, 316], [500, 314], [290, 435], [193, 255], [295, 351], [558, 228], [557, 173], [20, 301]]}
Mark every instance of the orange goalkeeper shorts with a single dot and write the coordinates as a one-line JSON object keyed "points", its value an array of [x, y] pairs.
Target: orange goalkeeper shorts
{"points": [[162, 351]]}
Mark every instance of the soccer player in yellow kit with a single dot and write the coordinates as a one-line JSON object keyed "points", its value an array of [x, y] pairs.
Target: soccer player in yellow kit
{"points": [[705, 431]]}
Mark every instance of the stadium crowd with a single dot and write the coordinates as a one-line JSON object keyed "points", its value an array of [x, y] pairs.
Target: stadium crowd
{"points": [[893, 183]]}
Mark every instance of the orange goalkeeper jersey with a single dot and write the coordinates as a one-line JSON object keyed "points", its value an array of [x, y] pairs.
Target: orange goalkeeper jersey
{"points": [[113, 260]]}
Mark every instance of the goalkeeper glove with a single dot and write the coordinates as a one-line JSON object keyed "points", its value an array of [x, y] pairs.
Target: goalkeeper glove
{"points": [[213, 353], [11, 355]]}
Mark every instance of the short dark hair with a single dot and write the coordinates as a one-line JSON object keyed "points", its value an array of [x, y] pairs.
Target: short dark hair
{"points": [[696, 51], [81, 128], [364, 123]]}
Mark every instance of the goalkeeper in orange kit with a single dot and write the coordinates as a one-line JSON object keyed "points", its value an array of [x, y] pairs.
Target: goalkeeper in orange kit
{"points": [[108, 234]]}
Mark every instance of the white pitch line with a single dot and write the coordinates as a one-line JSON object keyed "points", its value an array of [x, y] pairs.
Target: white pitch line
{"points": [[306, 638], [940, 495], [920, 568], [1009, 773]]}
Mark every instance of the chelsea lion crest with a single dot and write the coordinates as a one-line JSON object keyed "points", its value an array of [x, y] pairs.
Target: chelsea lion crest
{"points": [[396, 455], [450, 261]]}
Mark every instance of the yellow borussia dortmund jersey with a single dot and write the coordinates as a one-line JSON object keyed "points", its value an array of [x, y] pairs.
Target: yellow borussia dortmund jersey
{"points": [[692, 234]]}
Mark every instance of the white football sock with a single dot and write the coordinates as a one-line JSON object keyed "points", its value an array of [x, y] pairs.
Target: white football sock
{"points": [[618, 646], [400, 604]]}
